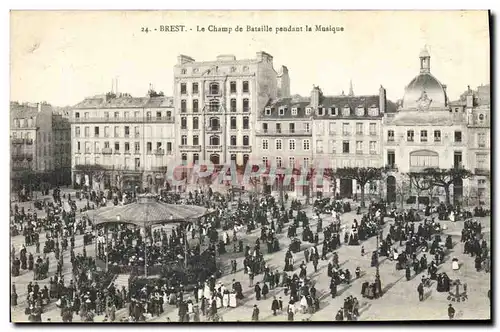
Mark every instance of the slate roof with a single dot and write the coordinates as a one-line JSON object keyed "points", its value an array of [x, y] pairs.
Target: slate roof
{"points": [[125, 101], [353, 102]]}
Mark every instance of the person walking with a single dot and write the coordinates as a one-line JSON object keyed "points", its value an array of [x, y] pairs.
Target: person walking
{"points": [[451, 311], [255, 313], [420, 290]]}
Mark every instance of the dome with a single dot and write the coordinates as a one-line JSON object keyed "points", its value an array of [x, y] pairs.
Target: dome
{"points": [[424, 92]]}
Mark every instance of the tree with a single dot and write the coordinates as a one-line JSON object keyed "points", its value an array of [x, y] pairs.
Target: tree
{"points": [[331, 176], [421, 181], [444, 178], [403, 189], [362, 175]]}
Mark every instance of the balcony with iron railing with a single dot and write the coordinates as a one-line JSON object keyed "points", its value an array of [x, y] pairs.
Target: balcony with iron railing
{"points": [[283, 132], [124, 120], [190, 148], [243, 148], [214, 148], [159, 152], [213, 129]]}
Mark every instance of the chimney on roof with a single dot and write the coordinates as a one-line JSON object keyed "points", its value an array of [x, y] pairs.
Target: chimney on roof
{"points": [[382, 99], [39, 107], [315, 95], [351, 90]]}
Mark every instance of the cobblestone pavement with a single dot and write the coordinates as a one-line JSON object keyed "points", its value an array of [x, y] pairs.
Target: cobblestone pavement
{"points": [[399, 302]]}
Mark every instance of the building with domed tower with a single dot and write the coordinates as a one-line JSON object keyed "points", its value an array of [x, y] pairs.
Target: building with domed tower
{"points": [[425, 132]]}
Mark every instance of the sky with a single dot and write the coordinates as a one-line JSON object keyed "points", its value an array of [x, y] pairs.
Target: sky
{"points": [[63, 57]]}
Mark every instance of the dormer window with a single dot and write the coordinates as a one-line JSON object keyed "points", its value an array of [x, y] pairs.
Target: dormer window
{"points": [[268, 110], [332, 111], [282, 111], [321, 111], [183, 71], [294, 111], [308, 111], [373, 111], [360, 111], [346, 111]]}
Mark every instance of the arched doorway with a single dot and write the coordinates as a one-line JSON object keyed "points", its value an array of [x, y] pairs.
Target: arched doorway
{"points": [[345, 188], [215, 159], [458, 191], [391, 189]]}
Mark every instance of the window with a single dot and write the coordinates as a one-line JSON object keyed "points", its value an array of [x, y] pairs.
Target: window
{"points": [[359, 147], [77, 131], [117, 147], [246, 105], [127, 131], [127, 147], [265, 144], [346, 130], [169, 147], [333, 146], [437, 135], [306, 144], [183, 89], [233, 140], [278, 128], [137, 147], [282, 111], [136, 114], [423, 136], [373, 147], [106, 145], [291, 162], [321, 111], [279, 144], [183, 71], [373, 129], [78, 147], [279, 162], [246, 122], [213, 105], [233, 123], [214, 88], [233, 158], [264, 127], [294, 111], [214, 140], [410, 134], [246, 141], [308, 111], [390, 135], [148, 116], [319, 146], [87, 131], [346, 111], [307, 127], [424, 161], [246, 87], [233, 105], [117, 115], [291, 128], [196, 140], [117, 131], [291, 144], [184, 158], [268, 111], [183, 123], [158, 115], [331, 128], [265, 161], [481, 161], [195, 88], [183, 106], [391, 158], [481, 117], [149, 147], [77, 116], [306, 163], [232, 87], [457, 159], [360, 111], [214, 124], [481, 140], [184, 140], [169, 115], [373, 111], [359, 128], [458, 136], [196, 123], [345, 147], [195, 105]]}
